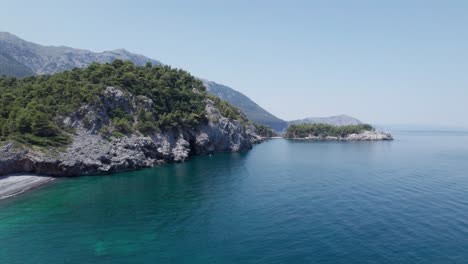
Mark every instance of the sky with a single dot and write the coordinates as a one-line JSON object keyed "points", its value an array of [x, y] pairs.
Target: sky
{"points": [[384, 62]]}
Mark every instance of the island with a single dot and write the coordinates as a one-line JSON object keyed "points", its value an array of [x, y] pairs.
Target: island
{"points": [[361, 132]]}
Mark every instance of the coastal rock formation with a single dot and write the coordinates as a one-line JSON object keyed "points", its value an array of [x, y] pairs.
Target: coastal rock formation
{"points": [[92, 153]]}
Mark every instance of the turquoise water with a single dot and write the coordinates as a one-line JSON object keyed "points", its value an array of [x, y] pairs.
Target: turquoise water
{"points": [[404, 201]]}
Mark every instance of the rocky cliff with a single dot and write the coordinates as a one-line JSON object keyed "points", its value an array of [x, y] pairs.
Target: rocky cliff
{"points": [[92, 153]]}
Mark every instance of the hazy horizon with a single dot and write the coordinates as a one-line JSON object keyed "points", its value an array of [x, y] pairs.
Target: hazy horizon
{"points": [[383, 63]]}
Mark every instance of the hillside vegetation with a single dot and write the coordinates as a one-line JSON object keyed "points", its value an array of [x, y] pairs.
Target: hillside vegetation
{"points": [[324, 130], [32, 109]]}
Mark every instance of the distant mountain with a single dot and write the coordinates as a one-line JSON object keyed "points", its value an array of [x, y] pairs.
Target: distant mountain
{"points": [[21, 58], [339, 120], [253, 111]]}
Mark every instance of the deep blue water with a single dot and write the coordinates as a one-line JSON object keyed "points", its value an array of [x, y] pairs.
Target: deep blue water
{"points": [[404, 201]]}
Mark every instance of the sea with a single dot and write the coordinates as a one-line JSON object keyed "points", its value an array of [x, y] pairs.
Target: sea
{"points": [[284, 201]]}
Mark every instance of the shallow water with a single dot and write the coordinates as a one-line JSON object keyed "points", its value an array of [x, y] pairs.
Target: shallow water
{"points": [[404, 201]]}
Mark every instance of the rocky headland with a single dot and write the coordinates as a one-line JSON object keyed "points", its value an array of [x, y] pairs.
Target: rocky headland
{"points": [[113, 117], [92, 153]]}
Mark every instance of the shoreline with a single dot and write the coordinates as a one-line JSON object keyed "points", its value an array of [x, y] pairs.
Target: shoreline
{"points": [[14, 184]]}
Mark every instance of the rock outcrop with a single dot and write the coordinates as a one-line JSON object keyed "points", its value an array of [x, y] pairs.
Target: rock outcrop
{"points": [[91, 153]]}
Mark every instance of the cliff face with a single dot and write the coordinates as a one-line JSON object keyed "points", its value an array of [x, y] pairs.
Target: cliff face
{"points": [[93, 153]]}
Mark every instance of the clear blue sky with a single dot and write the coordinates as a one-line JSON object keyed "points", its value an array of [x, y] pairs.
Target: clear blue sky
{"points": [[386, 63]]}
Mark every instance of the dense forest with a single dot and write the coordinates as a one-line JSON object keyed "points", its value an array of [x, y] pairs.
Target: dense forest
{"points": [[324, 130], [31, 109]]}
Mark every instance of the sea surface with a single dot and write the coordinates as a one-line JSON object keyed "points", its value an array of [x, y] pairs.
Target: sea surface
{"points": [[404, 201]]}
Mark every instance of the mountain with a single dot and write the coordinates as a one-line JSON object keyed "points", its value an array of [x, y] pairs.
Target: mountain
{"points": [[113, 117], [21, 58], [253, 111], [339, 120]]}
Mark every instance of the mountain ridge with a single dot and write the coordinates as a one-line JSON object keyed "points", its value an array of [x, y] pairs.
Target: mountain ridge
{"points": [[40, 59], [337, 120], [21, 58]]}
